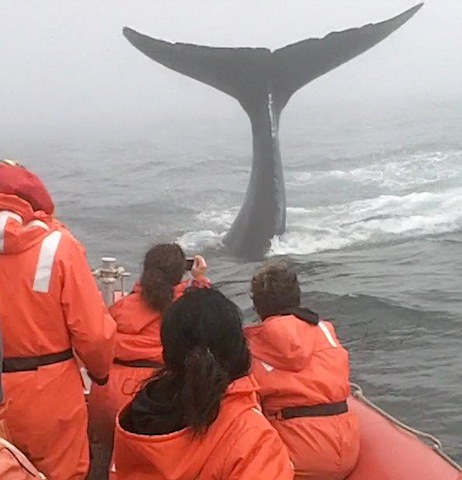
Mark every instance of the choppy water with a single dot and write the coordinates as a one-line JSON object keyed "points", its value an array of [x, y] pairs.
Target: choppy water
{"points": [[374, 228]]}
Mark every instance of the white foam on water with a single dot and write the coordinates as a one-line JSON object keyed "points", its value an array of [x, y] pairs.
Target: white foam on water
{"points": [[412, 171], [218, 219], [198, 241], [212, 226], [376, 220], [392, 214]]}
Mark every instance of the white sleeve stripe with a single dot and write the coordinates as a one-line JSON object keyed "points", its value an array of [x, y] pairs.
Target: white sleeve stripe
{"points": [[327, 334], [267, 366], [37, 223], [4, 216], [45, 262]]}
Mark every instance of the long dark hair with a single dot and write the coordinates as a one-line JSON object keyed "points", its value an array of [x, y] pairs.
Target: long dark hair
{"points": [[163, 268], [204, 351]]}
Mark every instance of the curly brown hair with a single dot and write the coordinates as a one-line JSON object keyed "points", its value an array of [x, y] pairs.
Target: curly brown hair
{"points": [[164, 267], [275, 288]]}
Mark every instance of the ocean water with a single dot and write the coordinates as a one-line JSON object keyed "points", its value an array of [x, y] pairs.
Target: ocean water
{"points": [[374, 228]]}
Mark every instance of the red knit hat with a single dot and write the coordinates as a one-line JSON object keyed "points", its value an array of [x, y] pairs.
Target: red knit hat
{"points": [[17, 180]]}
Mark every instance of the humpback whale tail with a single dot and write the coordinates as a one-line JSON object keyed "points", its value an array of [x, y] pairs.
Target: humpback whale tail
{"points": [[263, 82]]}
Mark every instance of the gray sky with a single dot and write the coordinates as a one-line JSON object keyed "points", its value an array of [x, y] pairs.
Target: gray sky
{"points": [[66, 68]]}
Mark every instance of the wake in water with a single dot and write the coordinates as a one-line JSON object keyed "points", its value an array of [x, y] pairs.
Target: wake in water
{"points": [[400, 199], [396, 174], [378, 220]]}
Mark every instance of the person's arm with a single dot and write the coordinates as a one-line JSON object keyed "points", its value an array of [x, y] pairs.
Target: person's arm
{"points": [[258, 454], [198, 272], [91, 328], [197, 280]]}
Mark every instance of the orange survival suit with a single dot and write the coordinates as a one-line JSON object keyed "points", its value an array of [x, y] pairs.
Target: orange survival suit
{"points": [[138, 354], [49, 308], [13, 463], [239, 445], [303, 373]]}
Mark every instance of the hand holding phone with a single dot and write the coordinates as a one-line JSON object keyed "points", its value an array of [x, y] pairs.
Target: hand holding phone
{"points": [[199, 266]]}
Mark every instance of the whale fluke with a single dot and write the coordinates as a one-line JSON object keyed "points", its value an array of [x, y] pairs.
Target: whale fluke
{"points": [[263, 82]]}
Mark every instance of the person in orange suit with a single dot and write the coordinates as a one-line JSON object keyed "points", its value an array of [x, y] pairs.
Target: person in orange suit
{"points": [[200, 418], [138, 351], [303, 372], [51, 310], [13, 464]]}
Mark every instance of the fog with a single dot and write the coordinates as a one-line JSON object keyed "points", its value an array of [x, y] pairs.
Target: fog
{"points": [[67, 71]]}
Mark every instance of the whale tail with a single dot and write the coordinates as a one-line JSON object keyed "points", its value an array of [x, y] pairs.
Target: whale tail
{"points": [[263, 82], [248, 74]]}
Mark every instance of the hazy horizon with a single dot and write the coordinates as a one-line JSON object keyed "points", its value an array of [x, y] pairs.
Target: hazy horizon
{"points": [[69, 73]]}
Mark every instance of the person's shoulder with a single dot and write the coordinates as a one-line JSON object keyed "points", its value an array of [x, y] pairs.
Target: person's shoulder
{"points": [[68, 243], [325, 324], [275, 325], [251, 424], [255, 449], [68, 236]]}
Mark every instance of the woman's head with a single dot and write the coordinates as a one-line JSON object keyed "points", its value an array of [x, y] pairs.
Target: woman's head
{"points": [[275, 288], [205, 348], [163, 268]]}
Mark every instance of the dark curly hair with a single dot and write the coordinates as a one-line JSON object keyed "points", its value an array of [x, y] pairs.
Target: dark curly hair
{"points": [[275, 288], [204, 351], [164, 267]]}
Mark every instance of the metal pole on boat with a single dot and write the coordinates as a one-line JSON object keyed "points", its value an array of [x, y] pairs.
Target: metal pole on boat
{"points": [[107, 275], [108, 279]]}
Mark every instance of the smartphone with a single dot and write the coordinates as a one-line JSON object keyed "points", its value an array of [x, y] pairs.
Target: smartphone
{"points": [[189, 263]]}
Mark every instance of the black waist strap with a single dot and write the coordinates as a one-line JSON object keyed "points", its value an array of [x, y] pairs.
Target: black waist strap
{"points": [[315, 410], [26, 364], [138, 363]]}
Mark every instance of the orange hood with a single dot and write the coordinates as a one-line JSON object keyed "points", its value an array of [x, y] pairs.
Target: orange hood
{"points": [[280, 341], [177, 455], [18, 180], [21, 228]]}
